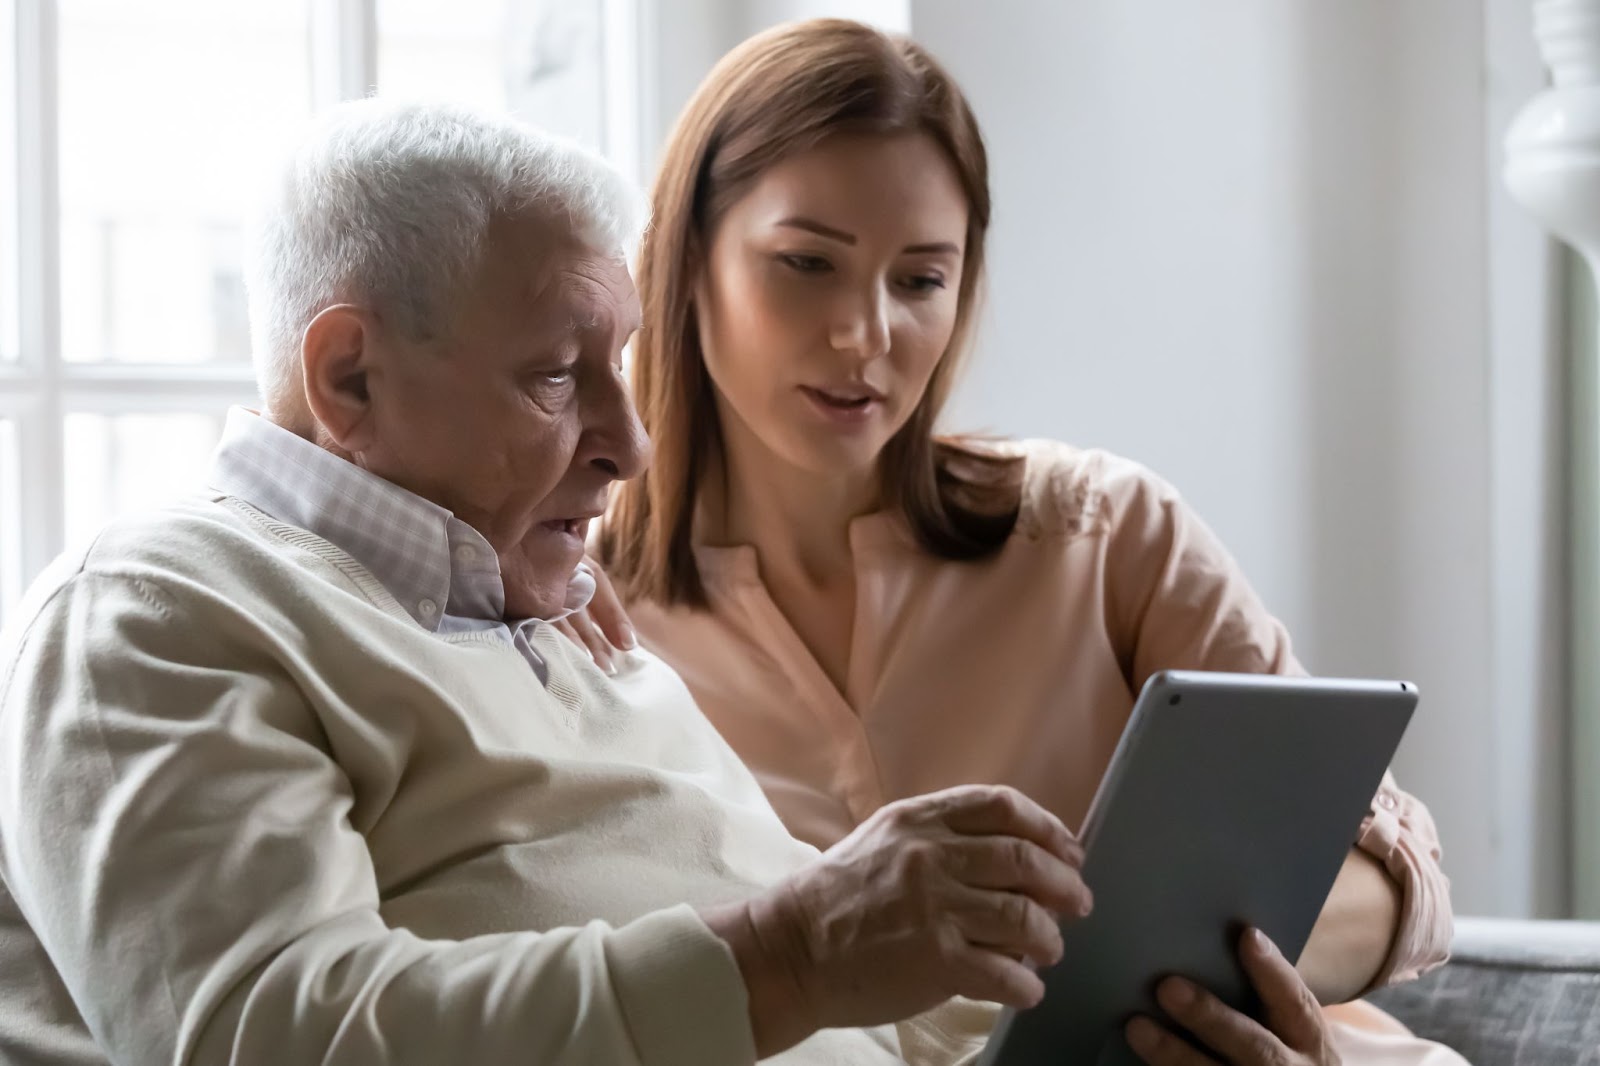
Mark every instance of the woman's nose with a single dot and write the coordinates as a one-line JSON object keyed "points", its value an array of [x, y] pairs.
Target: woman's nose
{"points": [[862, 324]]}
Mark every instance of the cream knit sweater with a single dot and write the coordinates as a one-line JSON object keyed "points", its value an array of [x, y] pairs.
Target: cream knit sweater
{"points": [[252, 813]]}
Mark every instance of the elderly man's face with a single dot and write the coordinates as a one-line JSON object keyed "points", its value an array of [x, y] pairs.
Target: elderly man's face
{"points": [[518, 418]]}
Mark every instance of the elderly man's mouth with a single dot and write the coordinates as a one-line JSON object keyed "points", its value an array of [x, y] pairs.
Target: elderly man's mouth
{"points": [[572, 527]]}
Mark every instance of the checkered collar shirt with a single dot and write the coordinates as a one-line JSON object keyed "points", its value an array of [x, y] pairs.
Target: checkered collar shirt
{"points": [[441, 570]]}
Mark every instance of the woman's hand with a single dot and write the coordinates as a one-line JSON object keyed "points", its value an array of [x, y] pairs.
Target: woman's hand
{"points": [[602, 628], [1294, 1032]]}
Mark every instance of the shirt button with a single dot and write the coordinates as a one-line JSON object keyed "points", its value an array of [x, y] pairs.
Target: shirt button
{"points": [[466, 554], [1386, 801], [427, 608]]}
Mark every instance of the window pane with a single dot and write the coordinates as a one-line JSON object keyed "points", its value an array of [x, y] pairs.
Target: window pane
{"points": [[8, 182], [542, 59], [168, 108], [118, 463], [10, 520]]}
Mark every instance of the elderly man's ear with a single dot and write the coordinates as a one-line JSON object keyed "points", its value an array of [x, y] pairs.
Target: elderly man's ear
{"points": [[337, 356]]}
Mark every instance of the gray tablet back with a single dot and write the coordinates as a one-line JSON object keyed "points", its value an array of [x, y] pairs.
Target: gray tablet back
{"points": [[1231, 800]]}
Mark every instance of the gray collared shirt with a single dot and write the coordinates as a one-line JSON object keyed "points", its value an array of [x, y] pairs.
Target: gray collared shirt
{"points": [[441, 570]]}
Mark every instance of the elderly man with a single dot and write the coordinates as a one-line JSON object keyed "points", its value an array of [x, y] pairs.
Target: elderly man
{"points": [[297, 772]]}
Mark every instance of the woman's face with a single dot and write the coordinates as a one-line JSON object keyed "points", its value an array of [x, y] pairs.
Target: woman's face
{"points": [[829, 297]]}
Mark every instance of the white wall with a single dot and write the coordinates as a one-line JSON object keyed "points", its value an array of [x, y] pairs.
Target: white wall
{"points": [[891, 15], [1143, 295], [1248, 243], [683, 39], [679, 42]]}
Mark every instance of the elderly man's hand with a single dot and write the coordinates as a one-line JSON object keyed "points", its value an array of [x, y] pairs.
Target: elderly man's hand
{"points": [[1294, 1034], [954, 893]]}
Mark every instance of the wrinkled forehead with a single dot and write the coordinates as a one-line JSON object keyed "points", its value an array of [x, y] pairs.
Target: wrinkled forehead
{"points": [[558, 279], [594, 291]]}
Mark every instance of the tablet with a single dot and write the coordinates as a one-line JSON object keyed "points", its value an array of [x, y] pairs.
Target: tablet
{"points": [[1231, 800]]}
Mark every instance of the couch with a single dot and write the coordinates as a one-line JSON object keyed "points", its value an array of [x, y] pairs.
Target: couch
{"points": [[1515, 993]]}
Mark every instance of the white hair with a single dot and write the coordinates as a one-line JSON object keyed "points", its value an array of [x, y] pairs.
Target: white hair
{"points": [[389, 204]]}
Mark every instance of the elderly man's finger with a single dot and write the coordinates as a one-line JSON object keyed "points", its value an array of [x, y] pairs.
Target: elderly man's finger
{"points": [[1158, 1047], [607, 613], [1022, 866], [1292, 1012], [1007, 922], [987, 810], [992, 976], [1236, 1037]]}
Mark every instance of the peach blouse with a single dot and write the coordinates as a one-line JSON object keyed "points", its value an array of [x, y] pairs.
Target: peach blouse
{"points": [[1021, 668]]}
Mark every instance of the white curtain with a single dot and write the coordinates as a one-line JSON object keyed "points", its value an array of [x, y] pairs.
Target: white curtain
{"points": [[1582, 349]]}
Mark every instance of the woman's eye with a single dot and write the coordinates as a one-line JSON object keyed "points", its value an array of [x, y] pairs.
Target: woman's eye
{"points": [[805, 264], [924, 283]]}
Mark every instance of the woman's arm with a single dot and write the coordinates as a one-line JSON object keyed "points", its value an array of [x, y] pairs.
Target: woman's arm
{"points": [[1176, 599], [1355, 933]]}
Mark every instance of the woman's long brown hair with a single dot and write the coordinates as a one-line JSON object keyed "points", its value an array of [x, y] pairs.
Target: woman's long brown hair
{"points": [[778, 94]]}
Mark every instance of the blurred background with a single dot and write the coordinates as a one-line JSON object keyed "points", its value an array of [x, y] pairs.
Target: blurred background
{"points": [[1260, 245]]}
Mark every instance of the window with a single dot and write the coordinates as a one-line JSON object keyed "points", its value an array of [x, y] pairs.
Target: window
{"points": [[155, 177], [8, 188], [541, 60], [130, 135], [121, 461], [10, 515]]}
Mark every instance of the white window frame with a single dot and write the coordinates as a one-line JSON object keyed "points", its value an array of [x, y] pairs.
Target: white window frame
{"points": [[41, 388]]}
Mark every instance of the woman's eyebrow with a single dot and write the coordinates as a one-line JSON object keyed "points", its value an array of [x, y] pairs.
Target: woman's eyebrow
{"points": [[813, 226]]}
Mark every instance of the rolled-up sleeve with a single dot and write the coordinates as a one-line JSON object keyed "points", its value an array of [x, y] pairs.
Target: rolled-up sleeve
{"points": [[1177, 600], [173, 827], [1399, 833]]}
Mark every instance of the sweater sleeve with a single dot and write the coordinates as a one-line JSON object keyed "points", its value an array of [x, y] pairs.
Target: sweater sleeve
{"points": [[951, 1034], [1176, 600], [173, 826]]}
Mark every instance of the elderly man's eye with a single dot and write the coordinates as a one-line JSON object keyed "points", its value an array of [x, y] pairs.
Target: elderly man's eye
{"points": [[547, 385], [560, 375]]}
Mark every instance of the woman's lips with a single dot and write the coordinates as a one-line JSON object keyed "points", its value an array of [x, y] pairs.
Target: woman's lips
{"points": [[843, 407]]}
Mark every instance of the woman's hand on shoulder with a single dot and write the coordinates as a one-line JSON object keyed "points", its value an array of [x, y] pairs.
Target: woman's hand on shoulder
{"points": [[1293, 1031], [601, 628]]}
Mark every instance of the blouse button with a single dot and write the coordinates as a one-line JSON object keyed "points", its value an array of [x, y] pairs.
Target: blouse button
{"points": [[427, 608]]}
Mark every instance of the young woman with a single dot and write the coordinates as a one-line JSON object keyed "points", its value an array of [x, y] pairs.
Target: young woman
{"points": [[869, 610]]}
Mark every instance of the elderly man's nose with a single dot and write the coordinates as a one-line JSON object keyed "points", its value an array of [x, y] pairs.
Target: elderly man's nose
{"points": [[619, 444], [633, 454]]}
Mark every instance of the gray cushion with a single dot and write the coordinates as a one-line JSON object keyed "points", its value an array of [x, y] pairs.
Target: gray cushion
{"points": [[1513, 994]]}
